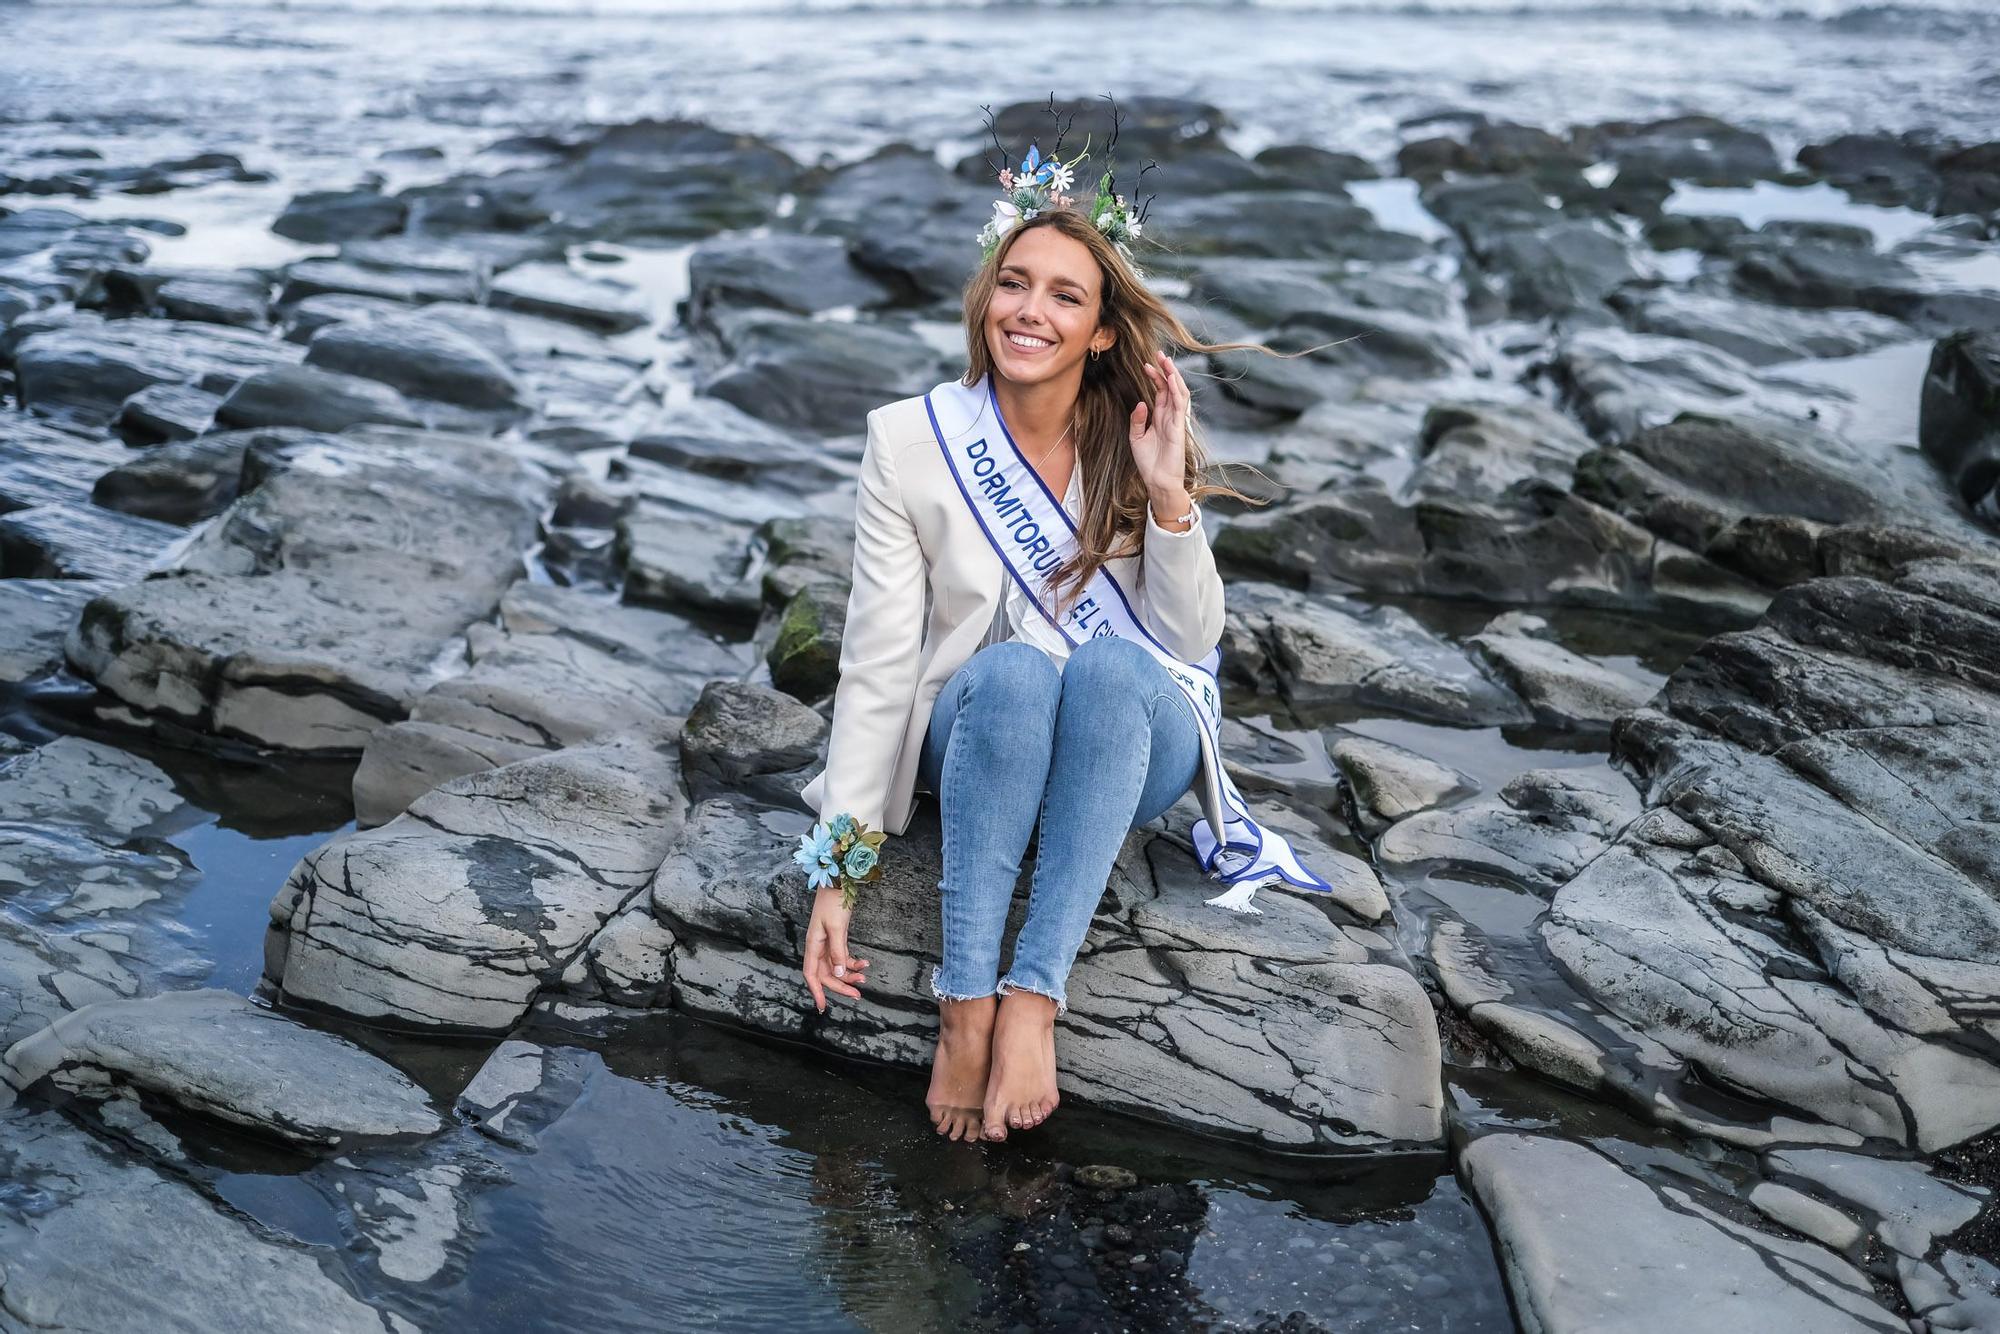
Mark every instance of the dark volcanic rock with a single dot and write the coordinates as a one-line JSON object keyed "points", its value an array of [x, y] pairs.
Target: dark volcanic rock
{"points": [[340, 215], [315, 399], [1960, 422], [801, 274], [423, 358], [822, 376], [179, 483]]}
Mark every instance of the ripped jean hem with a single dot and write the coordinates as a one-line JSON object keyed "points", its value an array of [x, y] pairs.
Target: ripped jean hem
{"points": [[1008, 984], [941, 994]]}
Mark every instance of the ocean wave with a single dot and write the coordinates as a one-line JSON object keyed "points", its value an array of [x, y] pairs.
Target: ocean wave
{"points": [[1866, 15]]}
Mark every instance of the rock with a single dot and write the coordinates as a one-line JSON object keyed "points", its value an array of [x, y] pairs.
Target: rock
{"points": [[101, 1213], [163, 412], [63, 541], [1476, 451], [1310, 167], [235, 297], [522, 1088], [1884, 169], [1970, 179], [324, 601], [411, 284], [85, 368], [1390, 783], [321, 216], [421, 358], [1820, 276], [216, 1054], [747, 738], [719, 440], [1662, 1254], [1564, 689], [815, 374], [1757, 333], [645, 179], [925, 258], [805, 653], [181, 483], [801, 274], [1807, 1216], [699, 566], [1281, 224], [1703, 150], [1835, 959], [1324, 1041], [1539, 544], [41, 465], [558, 292], [563, 667], [1563, 268], [1621, 383], [1908, 1208], [1540, 829], [455, 915], [1959, 426], [315, 399], [1324, 654]]}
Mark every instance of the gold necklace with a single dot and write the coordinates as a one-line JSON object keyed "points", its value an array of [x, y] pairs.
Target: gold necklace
{"points": [[1057, 445]]}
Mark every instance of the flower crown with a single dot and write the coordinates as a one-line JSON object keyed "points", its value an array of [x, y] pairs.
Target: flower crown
{"points": [[1041, 184]]}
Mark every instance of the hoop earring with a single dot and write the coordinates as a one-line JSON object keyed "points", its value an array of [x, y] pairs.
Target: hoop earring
{"points": [[1096, 352]]}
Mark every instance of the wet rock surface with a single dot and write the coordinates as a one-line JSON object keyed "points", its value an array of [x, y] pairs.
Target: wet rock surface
{"points": [[558, 565], [1295, 1028]]}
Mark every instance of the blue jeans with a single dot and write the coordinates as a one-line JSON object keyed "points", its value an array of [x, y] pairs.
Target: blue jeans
{"points": [[1077, 756]]}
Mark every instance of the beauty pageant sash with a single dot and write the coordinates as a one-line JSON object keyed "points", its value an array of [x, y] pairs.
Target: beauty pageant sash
{"points": [[1033, 534]]}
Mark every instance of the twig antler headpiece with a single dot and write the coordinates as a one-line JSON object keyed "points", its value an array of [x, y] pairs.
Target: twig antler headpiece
{"points": [[1042, 183]]}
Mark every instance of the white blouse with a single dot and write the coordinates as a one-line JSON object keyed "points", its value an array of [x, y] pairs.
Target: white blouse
{"points": [[1017, 617]]}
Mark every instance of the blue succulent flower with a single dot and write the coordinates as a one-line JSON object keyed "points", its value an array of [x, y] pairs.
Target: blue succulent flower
{"points": [[1032, 166], [843, 825], [860, 860], [815, 854]]}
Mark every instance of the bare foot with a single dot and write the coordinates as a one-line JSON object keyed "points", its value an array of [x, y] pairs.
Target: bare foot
{"points": [[1022, 1090], [958, 1076]]}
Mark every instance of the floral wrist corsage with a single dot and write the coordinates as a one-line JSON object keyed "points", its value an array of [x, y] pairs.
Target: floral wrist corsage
{"points": [[842, 850]]}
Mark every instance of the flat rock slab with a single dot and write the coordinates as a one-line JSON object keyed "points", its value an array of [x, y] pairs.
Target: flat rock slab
{"points": [[112, 1245], [564, 666], [215, 1053], [1327, 654], [455, 915], [1298, 1028], [1588, 1246], [324, 601], [80, 541]]}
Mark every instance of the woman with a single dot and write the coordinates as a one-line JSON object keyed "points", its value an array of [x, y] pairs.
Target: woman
{"points": [[982, 701]]}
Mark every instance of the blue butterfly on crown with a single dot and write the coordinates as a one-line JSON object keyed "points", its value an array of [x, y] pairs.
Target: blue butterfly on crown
{"points": [[1044, 183]]}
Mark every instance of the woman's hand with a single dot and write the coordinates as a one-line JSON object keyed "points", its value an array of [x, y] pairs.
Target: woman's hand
{"points": [[828, 965], [1158, 429]]}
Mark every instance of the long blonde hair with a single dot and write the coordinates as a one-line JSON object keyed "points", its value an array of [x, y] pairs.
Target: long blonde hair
{"points": [[1114, 495]]}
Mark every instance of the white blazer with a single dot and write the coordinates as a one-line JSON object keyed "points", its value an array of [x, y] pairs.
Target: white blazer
{"points": [[926, 586]]}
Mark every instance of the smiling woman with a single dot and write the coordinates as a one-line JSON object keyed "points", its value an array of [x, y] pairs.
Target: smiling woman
{"points": [[1061, 685]]}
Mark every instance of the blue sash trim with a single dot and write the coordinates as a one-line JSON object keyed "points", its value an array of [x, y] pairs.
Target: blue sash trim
{"points": [[1246, 856]]}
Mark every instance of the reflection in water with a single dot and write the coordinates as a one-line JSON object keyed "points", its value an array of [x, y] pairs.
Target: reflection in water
{"points": [[701, 1179]]}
